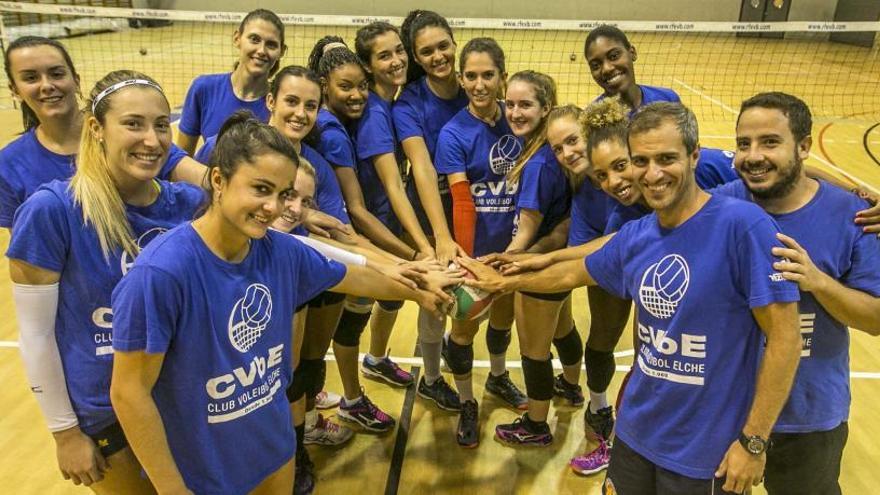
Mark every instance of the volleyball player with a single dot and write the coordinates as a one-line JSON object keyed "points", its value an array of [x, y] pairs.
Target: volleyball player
{"points": [[610, 57], [834, 263], [72, 241], [430, 99], [212, 98], [345, 90], [379, 166], [687, 358], [475, 150], [226, 274], [542, 205], [43, 78]]}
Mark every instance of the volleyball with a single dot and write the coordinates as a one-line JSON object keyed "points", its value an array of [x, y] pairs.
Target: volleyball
{"points": [[664, 285], [250, 316], [469, 303]]}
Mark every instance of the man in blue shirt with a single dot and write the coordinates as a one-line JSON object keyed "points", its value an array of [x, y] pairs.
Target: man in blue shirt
{"points": [[835, 264], [699, 408]]}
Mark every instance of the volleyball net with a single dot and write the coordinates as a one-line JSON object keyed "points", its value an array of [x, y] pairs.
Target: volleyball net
{"points": [[712, 65]]}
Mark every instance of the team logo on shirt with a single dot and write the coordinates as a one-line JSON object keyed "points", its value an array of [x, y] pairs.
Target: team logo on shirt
{"points": [[504, 153], [126, 260], [664, 285], [249, 317]]}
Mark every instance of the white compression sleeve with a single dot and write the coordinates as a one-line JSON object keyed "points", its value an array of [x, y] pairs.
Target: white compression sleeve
{"points": [[333, 252], [36, 306]]}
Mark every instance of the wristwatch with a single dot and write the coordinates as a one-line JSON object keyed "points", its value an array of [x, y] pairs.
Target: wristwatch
{"points": [[754, 444]]}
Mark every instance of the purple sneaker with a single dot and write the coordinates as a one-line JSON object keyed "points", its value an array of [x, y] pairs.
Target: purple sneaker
{"points": [[366, 414], [524, 432], [386, 370], [592, 462]]}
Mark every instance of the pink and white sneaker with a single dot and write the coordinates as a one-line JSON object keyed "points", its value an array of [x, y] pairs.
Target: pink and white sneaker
{"points": [[327, 400], [592, 462]]}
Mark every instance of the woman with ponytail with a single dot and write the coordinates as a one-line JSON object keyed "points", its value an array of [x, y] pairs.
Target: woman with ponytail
{"points": [[430, 99], [72, 242], [542, 205], [475, 150], [211, 300], [43, 79]]}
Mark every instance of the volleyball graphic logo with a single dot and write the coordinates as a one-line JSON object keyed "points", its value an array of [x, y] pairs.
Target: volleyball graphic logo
{"points": [[126, 260], [504, 153], [249, 317], [664, 285]]}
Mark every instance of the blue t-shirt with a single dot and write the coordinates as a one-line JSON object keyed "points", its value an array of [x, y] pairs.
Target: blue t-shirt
{"points": [[327, 193], [49, 233], [715, 167], [621, 214], [699, 344], [543, 187], [210, 101], [418, 112], [335, 144], [485, 153], [374, 136], [820, 397], [225, 330], [652, 94], [25, 165], [590, 208]]}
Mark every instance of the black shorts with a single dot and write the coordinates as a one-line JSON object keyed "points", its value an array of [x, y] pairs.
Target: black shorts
{"points": [[326, 298], [553, 296], [631, 474], [805, 462], [110, 440]]}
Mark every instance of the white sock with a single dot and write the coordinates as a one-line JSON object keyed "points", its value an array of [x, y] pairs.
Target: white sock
{"points": [[311, 419], [465, 388], [373, 359], [349, 403], [497, 364], [598, 401], [431, 358]]}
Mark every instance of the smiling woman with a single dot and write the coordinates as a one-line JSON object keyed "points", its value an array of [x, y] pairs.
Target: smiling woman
{"points": [[212, 98], [72, 242]]}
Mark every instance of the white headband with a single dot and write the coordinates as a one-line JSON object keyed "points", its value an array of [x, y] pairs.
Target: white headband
{"points": [[123, 84]]}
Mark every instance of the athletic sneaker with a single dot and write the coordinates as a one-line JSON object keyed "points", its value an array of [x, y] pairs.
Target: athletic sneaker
{"points": [[387, 370], [594, 461], [601, 422], [569, 391], [304, 475], [327, 400], [468, 434], [366, 414], [441, 393], [524, 432], [502, 387], [326, 433]]}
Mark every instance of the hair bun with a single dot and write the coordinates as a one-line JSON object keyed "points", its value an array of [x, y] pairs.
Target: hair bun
{"points": [[605, 113]]}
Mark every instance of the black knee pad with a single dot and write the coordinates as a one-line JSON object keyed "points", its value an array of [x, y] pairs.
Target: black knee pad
{"points": [[351, 326], [460, 357], [308, 379], [600, 369], [497, 341], [390, 306], [569, 347], [539, 378]]}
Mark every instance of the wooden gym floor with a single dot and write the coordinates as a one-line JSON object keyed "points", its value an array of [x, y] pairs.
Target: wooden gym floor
{"points": [[421, 455]]}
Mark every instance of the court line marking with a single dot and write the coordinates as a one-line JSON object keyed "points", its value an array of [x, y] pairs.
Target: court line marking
{"points": [[813, 155], [479, 363]]}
